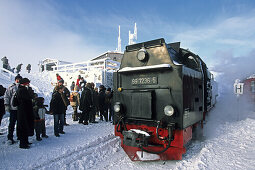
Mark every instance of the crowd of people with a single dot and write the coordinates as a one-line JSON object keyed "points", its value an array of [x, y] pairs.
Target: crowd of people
{"points": [[91, 102], [27, 110]]}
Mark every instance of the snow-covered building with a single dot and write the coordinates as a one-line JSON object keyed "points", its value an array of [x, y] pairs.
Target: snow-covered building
{"points": [[249, 86], [115, 56], [99, 70]]}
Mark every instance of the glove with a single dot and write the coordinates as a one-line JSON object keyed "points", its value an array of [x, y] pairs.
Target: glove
{"points": [[7, 108]]}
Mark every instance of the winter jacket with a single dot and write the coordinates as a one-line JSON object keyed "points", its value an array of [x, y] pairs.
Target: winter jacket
{"points": [[86, 100], [78, 82], [9, 94], [25, 116], [95, 98], [108, 97], [57, 105], [39, 112], [101, 99], [66, 94]]}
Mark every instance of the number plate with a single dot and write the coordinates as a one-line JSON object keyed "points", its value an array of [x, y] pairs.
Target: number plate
{"points": [[144, 80]]}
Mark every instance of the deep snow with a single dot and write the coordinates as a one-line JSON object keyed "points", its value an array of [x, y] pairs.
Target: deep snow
{"points": [[228, 141]]}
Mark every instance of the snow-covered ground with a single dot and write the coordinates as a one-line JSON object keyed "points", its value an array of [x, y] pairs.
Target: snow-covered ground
{"points": [[228, 142]]}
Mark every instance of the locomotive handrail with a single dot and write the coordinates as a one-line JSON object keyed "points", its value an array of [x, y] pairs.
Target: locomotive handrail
{"points": [[125, 69]]}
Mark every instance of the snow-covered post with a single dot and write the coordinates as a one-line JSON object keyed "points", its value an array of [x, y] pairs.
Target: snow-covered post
{"points": [[238, 90]]}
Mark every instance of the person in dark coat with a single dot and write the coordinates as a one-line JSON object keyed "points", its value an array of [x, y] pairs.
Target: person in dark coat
{"points": [[85, 104], [66, 94], [2, 108], [28, 68], [101, 103], [92, 114], [25, 116], [96, 102], [108, 103], [58, 108]]}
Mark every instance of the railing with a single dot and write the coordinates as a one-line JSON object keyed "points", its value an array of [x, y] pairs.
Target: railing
{"points": [[11, 76], [106, 64]]}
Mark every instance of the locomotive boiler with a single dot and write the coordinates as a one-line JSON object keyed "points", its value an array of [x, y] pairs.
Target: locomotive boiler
{"points": [[161, 94]]}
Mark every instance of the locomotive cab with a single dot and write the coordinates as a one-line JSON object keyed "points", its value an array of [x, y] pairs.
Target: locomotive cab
{"points": [[159, 95]]}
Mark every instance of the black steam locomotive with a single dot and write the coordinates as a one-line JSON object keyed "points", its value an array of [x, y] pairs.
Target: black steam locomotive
{"points": [[161, 93]]}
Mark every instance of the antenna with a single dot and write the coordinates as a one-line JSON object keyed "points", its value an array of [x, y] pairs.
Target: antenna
{"points": [[133, 36], [135, 32], [118, 49], [119, 42]]}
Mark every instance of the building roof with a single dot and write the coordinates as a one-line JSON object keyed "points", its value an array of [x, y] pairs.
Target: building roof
{"points": [[105, 55]]}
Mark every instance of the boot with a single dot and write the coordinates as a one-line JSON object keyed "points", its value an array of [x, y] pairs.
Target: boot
{"points": [[38, 138], [45, 136]]}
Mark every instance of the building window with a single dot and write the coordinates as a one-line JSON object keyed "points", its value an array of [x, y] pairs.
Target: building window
{"points": [[253, 86]]}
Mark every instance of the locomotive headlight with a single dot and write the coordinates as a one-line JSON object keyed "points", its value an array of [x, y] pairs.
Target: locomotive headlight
{"points": [[169, 110], [142, 54], [117, 107]]}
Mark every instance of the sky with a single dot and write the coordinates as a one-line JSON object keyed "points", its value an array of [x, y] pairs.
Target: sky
{"points": [[218, 31]]}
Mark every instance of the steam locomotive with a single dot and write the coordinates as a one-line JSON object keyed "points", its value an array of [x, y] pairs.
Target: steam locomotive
{"points": [[161, 94]]}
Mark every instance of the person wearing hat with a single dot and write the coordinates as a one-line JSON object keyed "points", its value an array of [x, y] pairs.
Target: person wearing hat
{"points": [[25, 115], [66, 94], [8, 103], [57, 108]]}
